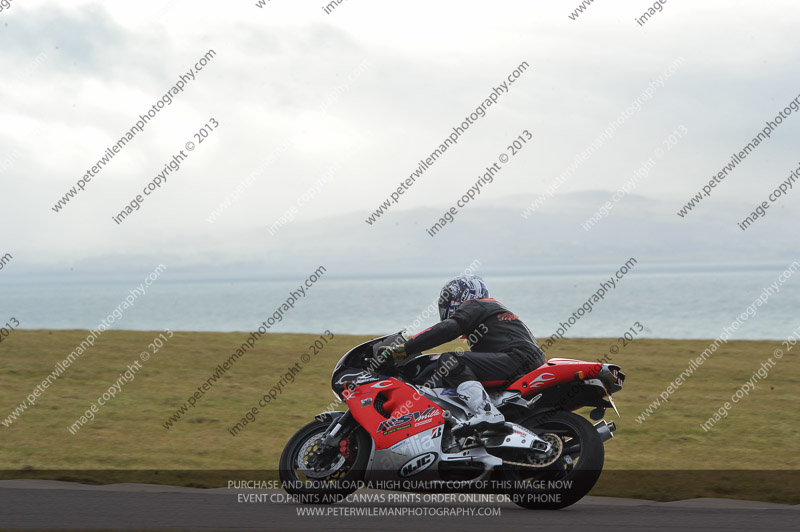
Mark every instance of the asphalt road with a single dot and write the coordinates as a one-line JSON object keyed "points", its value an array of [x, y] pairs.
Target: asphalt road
{"points": [[52, 505]]}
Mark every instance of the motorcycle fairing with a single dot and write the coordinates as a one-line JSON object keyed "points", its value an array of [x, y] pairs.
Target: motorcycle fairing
{"points": [[413, 457], [391, 410], [419, 458]]}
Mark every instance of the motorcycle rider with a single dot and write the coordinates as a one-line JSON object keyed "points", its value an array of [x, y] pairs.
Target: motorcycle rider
{"points": [[502, 348]]}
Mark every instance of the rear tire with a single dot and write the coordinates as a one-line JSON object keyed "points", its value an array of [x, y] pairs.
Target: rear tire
{"points": [[339, 477], [570, 477]]}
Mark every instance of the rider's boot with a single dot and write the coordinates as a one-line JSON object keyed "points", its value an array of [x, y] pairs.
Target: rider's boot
{"points": [[484, 414]]}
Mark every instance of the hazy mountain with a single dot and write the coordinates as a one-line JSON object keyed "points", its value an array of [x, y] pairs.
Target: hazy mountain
{"points": [[493, 232]]}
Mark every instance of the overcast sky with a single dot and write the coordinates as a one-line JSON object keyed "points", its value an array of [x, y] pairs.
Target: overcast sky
{"points": [[339, 108]]}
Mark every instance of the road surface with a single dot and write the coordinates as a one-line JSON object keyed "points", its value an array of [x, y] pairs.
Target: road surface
{"points": [[53, 505]]}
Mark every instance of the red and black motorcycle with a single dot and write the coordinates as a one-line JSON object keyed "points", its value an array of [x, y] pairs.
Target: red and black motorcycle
{"points": [[396, 433]]}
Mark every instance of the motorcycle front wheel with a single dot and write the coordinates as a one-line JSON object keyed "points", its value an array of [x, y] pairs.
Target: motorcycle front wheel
{"points": [[570, 477], [339, 474]]}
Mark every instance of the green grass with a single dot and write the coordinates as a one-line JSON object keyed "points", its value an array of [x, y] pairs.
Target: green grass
{"points": [[760, 432]]}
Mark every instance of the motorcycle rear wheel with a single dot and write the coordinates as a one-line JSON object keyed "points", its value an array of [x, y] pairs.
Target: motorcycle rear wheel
{"points": [[340, 475], [570, 477]]}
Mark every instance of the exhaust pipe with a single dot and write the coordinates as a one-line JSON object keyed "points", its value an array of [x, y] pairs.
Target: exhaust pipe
{"points": [[605, 430]]}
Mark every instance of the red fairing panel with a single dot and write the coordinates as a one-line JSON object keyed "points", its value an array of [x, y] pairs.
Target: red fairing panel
{"points": [[409, 412], [554, 371]]}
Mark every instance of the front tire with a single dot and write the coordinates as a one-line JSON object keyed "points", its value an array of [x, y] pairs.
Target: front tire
{"points": [[337, 478], [569, 478]]}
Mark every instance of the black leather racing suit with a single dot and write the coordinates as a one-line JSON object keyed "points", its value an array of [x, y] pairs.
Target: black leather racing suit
{"points": [[501, 346]]}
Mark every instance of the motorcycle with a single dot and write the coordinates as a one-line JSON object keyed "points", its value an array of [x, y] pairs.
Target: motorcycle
{"points": [[398, 433]]}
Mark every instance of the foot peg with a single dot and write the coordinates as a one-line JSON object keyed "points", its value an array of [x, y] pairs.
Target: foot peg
{"points": [[482, 425]]}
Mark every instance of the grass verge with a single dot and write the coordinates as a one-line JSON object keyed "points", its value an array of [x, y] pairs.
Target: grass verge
{"points": [[752, 453]]}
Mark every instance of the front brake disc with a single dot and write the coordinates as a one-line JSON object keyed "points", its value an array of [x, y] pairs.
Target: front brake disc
{"points": [[309, 449]]}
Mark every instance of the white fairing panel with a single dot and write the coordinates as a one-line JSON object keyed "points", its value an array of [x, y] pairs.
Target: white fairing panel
{"points": [[412, 458]]}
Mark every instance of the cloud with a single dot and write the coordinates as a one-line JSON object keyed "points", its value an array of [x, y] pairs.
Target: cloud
{"points": [[82, 42], [429, 66]]}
